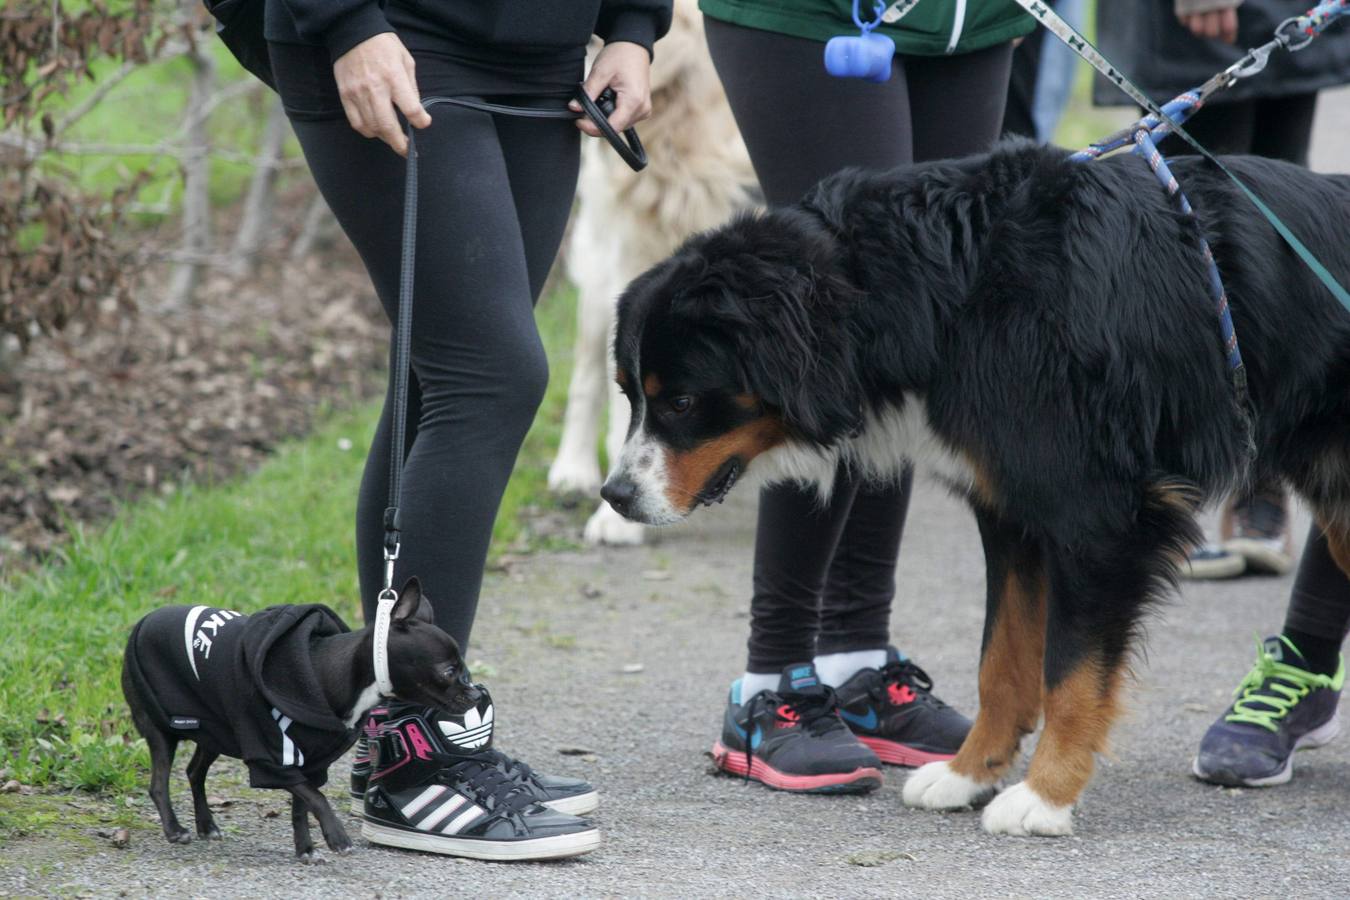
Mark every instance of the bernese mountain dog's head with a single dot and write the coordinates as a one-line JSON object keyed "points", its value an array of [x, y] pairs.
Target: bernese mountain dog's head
{"points": [[736, 346]]}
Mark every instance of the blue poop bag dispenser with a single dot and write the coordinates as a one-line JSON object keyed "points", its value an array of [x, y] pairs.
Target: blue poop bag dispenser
{"points": [[866, 55]]}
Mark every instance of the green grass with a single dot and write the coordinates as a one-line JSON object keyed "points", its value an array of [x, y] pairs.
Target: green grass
{"points": [[280, 535]]}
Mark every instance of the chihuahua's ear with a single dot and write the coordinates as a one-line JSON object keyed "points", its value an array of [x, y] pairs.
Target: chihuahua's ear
{"points": [[412, 603]]}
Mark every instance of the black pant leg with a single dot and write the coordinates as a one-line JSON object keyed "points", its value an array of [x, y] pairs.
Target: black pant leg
{"points": [[476, 356]]}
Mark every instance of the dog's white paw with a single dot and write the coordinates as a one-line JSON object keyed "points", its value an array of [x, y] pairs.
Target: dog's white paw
{"points": [[574, 475], [1020, 810], [608, 527], [935, 786]]}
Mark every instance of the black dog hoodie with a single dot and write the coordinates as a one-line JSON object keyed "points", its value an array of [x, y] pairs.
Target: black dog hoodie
{"points": [[242, 686]]}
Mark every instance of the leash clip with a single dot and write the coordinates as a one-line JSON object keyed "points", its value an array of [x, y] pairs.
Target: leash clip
{"points": [[389, 557], [1253, 63], [1293, 34]]}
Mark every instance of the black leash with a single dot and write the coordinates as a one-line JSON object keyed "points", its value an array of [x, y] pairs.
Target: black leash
{"points": [[629, 149]]}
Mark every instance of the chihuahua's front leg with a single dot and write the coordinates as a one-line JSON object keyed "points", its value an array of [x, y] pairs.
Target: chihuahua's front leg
{"points": [[308, 797]]}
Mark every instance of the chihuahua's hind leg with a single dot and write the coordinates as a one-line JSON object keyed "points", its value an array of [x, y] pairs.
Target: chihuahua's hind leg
{"points": [[201, 810], [308, 797], [304, 843], [162, 748]]}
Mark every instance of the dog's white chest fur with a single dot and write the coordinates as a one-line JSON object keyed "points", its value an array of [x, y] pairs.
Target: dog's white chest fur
{"points": [[890, 440]]}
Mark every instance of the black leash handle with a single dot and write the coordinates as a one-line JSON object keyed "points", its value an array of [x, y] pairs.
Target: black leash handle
{"points": [[627, 145], [629, 148]]}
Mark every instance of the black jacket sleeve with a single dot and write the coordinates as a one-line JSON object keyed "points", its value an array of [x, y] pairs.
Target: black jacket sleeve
{"points": [[636, 21], [337, 24]]}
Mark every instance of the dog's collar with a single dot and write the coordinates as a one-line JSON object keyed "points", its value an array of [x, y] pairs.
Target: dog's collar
{"points": [[384, 609]]}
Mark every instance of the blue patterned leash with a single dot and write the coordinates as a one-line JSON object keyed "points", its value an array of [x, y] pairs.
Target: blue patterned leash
{"points": [[1142, 135]]}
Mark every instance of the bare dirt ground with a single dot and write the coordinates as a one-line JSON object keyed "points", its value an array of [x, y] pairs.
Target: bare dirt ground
{"points": [[103, 413]]}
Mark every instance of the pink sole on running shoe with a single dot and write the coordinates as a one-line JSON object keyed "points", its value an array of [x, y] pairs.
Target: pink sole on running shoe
{"points": [[733, 762], [902, 755]]}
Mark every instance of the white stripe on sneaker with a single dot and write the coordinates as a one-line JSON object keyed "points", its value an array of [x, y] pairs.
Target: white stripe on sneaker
{"points": [[439, 815], [463, 819], [423, 799]]}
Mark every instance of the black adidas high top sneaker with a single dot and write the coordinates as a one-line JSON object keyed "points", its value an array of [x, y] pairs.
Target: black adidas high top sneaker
{"points": [[436, 785], [569, 795]]}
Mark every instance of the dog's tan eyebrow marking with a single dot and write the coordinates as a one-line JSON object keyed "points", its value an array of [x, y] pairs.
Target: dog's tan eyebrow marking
{"points": [[621, 378], [745, 401], [651, 385]]}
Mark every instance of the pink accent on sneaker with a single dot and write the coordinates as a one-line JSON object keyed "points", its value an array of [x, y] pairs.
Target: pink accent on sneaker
{"points": [[902, 754], [733, 761], [419, 743]]}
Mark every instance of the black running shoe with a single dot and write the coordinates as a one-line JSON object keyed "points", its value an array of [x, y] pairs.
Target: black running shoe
{"points": [[473, 731], [426, 793], [792, 739], [894, 712]]}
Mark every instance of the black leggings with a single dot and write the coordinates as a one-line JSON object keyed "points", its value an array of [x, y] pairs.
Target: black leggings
{"points": [[495, 194], [825, 576], [1319, 605]]}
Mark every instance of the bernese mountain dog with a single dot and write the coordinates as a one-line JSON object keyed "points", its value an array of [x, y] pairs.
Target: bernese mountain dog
{"points": [[1038, 334]]}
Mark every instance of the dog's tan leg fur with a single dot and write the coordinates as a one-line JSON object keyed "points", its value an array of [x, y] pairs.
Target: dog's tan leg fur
{"points": [[1338, 540], [1010, 683], [1079, 712]]}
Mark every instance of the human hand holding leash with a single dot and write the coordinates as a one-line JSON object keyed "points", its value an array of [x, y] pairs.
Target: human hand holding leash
{"points": [[374, 78], [626, 68], [1214, 24]]}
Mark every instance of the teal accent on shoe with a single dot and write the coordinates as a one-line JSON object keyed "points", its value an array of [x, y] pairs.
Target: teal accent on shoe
{"points": [[867, 722], [755, 740]]}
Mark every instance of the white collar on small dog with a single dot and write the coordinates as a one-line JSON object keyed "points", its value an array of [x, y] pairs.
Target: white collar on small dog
{"points": [[384, 609]]}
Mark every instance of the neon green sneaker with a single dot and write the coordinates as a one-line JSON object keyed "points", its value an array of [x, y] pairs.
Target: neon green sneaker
{"points": [[1280, 707]]}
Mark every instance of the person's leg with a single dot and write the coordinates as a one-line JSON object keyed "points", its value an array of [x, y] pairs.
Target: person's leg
{"points": [[1221, 127], [800, 124], [795, 538], [1289, 699], [861, 583], [1283, 127], [1319, 607], [543, 157], [478, 372], [856, 607], [1019, 119], [476, 354], [1254, 533], [887, 699]]}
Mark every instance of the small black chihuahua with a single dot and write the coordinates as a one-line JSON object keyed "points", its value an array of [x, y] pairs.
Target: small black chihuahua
{"points": [[283, 689]]}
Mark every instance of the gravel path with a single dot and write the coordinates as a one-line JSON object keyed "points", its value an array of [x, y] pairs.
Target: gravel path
{"points": [[557, 633]]}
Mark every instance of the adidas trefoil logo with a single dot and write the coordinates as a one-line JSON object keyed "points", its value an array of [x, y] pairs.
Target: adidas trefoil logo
{"points": [[473, 730]]}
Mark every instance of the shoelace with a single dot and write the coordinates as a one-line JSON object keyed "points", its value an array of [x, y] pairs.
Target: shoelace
{"points": [[517, 771], [816, 712], [905, 672], [494, 789], [1272, 688]]}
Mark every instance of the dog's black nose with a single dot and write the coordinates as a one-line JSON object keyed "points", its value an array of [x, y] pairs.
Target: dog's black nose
{"points": [[620, 494]]}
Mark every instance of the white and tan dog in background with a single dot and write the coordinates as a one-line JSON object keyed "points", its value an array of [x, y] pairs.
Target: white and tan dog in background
{"points": [[628, 221]]}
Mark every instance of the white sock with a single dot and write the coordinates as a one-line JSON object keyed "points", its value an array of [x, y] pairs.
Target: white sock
{"points": [[836, 668], [754, 682]]}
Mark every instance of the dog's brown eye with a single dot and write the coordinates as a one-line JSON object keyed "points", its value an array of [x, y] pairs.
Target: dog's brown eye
{"points": [[680, 405]]}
